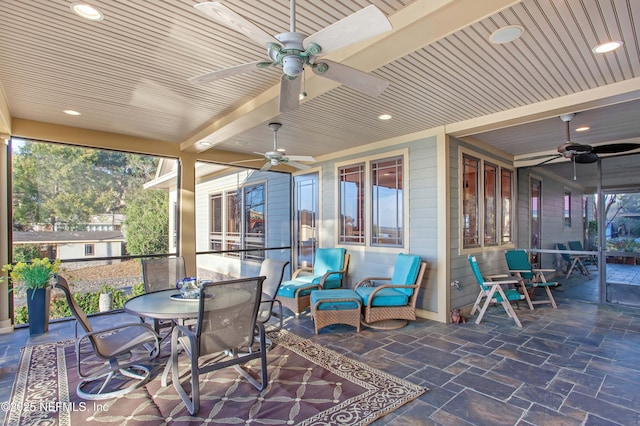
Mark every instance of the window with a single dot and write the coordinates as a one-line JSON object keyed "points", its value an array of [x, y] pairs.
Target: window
{"points": [[237, 221], [216, 222], [386, 202], [89, 250], [490, 204], [376, 185], [470, 201], [506, 179], [351, 204], [567, 208], [487, 203]]}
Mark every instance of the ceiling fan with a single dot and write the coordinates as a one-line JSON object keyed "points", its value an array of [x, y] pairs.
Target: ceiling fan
{"points": [[279, 155], [584, 154], [293, 51]]}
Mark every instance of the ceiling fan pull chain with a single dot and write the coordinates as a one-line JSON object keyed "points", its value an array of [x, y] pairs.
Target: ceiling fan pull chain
{"points": [[573, 160]]}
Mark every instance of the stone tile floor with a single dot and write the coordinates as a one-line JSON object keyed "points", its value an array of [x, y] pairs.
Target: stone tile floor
{"points": [[575, 365]]}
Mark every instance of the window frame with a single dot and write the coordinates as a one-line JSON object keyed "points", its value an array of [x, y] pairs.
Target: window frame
{"points": [[240, 238], [566, 211], [89, 247], [367, 205], [481, 208]]}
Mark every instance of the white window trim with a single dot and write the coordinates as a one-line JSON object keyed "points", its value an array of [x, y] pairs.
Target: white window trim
{"points": [[481, 204], [223, 193], [404, 153]]}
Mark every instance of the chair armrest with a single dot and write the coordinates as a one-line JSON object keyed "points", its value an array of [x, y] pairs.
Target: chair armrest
{"points": [[520, 271], [488, 283], [492, 277], [368, 279], [120, 327], [544, 270], [383, 286], [302, 269]]}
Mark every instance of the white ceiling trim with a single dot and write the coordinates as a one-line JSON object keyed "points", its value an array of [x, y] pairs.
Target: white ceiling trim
{"points": [[598, 97]]}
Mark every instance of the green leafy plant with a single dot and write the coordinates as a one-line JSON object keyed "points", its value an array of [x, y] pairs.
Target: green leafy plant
{"points": [[32, 275]]}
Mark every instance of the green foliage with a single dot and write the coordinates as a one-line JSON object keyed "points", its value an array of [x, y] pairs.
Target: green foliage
{"points": [[32, 275], [25, 253], [60, 184], [88, 302], [147, 222]]}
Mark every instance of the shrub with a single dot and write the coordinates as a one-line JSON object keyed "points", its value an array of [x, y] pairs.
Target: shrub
{"points": [[88, 302]]}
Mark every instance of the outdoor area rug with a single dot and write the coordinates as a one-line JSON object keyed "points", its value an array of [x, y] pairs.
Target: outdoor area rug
{"points": [[308, 385]]}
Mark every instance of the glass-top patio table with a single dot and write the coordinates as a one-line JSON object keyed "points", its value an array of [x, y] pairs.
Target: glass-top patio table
{"points": [[168, 305]]}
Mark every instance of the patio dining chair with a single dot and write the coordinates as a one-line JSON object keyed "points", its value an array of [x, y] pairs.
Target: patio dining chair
{"points": [[273, 271], [491, 291], [389, 302], [162, 274], [530, 278], [122, 348], [227, 321], [329, 269], [574, 262]]}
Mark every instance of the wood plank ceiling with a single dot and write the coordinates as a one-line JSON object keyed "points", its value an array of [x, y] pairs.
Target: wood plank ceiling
{"points": [[128, 73]]}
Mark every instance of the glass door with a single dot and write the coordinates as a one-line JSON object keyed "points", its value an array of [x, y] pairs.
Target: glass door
{"points": [[306, 212], [535, 192]]}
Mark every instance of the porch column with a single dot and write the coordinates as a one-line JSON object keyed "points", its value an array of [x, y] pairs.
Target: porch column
{"points": [[6, 325], [186, 194]]}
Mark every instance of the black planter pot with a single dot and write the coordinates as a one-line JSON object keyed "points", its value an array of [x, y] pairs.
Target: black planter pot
{"points": [[38, 306]]}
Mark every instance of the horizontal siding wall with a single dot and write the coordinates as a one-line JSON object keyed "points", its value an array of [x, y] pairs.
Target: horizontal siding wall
{"points": [[277, 215], [421, 189]]}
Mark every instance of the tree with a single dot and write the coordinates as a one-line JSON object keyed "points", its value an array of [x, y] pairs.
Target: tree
{"points": [[64, 185], [147, 222]]}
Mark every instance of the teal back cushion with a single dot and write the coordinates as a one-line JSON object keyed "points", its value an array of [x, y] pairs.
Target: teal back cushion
{"points": [[329, 259], [405, 271]]}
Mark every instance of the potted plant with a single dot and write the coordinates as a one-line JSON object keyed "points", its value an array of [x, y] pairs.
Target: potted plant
{"points": [[34, 278]]}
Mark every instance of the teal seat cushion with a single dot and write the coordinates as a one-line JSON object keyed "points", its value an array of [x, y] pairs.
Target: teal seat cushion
{"points": [[385, 297], [328, 300], [330, 282], [288, 288], [512, 295], [405, 271]]}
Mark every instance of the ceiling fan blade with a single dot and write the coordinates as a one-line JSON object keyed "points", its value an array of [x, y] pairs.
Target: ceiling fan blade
{"points": [[549, 159], [289, 93], [586, 158], [307, 158], [266, 166], [298, 165], [537, 157], [227, 17], [615, 148], [358, 26], [351, 77], [227, 72]]}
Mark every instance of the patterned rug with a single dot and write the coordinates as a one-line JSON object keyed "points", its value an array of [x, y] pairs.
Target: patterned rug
{"points": [[308, 385]]}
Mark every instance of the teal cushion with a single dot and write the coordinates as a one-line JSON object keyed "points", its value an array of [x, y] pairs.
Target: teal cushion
{"points": [[288, 288], [328, 259], [328, 302], [512, 295], [385, 297], [315, 279], [405, 271]]}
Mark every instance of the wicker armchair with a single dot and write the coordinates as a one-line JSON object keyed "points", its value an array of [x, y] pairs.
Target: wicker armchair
{"points": [[390, 305], [329, 270]]}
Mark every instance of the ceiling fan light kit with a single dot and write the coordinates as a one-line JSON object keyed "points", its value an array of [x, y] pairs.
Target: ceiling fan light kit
{"points": [[293, 50]]}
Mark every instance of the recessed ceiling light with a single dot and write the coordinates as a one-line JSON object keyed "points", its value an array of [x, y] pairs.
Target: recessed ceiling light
{"points": [[582, 129], [71, 112], [384, 117], [205, 143], [607, 47], [506, 34], [86, 11]]}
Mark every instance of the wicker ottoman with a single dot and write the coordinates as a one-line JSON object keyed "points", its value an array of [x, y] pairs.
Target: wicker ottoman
{"points": [[335, 307]]}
